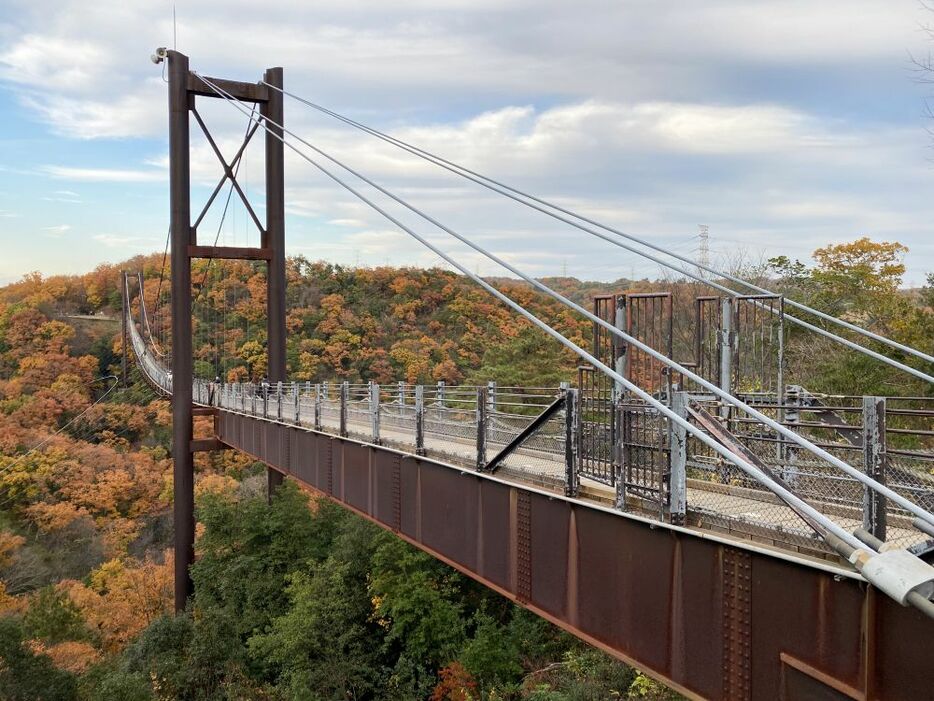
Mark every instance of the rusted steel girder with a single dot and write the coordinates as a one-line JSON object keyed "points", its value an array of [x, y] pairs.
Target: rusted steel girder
{"points": [[711, 618]]}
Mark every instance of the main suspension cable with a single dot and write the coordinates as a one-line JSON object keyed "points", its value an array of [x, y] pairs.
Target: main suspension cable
{"points": [[504, 189], [725, 396]]}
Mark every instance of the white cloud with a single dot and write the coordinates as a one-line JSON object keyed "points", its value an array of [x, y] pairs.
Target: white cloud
{"points": [[101, 175], [58, 230], [780, 122], [56, 63], [116, 241]]}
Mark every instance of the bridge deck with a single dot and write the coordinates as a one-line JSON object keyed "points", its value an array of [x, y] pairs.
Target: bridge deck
{"points": [[712, 616]]}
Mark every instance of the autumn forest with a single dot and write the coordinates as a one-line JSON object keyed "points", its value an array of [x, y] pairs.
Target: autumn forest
{"points": [[297, 599]]}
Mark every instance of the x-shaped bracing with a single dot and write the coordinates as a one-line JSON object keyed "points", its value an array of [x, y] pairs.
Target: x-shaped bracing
{"points": [[228, 172]]}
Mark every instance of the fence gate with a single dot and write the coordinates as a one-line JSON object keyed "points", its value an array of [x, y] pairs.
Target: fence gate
{"points": [[644, 445], [624, 442], [707, 338]]}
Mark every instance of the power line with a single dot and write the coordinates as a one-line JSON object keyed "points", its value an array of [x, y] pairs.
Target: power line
{"points": [[704, 247], [48, 438], [80, 436], [494, 186]]}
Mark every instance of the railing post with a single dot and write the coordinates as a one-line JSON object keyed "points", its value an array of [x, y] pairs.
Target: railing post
{"points": [[571, 449], [440, 398], [874, 461], [317, 418], [374, 411], [678, 446], [481, 427], [297, 390], [253, 397], [419, 419], [621, 354], [401, 390], [345, 398], [491, 396], [279, 400]]}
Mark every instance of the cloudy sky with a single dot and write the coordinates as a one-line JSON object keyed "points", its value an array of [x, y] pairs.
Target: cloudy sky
{"points": [[781, 125]]}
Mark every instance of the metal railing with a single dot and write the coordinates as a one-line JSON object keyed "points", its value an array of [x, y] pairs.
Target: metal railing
{"points": [[614, 440]]}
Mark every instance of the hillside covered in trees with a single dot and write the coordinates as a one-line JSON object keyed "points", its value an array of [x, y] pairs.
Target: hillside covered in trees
{"points": [[298, 599]]}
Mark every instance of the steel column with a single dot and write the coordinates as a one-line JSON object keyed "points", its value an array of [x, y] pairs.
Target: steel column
{"points": [[620, 347], [571, 448], [481, 427], [317, 407], [678, 437], [123, 319], [374, 412], [725, 344], [181, 236], [274, 240], [345, 398], [419, 419], [874, 460]]}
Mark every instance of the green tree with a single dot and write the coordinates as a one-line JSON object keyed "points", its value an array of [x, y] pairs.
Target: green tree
{"points": [[248, 550], [419, 601], [26, 676], [52, 617], [326, 645], [492, 655]]}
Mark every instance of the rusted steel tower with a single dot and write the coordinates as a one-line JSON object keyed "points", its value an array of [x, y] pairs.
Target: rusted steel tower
{"points": [[185, 87]]}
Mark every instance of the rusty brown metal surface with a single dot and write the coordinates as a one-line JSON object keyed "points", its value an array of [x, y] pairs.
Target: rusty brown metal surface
{"points": [[736, 624], [229, 252], [249, 92], [709, 618]]}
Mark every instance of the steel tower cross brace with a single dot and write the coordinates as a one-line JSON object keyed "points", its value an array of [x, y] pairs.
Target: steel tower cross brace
{"points": [[184, 88]]}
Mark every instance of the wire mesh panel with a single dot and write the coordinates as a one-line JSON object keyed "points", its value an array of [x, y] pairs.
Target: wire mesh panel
{"points": [[540, 455], [597, 423], [397, 414], [330, 406]]}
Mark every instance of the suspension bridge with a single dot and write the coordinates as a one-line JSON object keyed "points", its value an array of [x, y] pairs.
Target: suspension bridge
{"points": [[704, 518]]}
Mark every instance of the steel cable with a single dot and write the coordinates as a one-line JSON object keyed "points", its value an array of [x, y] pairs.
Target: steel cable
{"points": [[725, 396], [495, 185], [796, 503]]}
